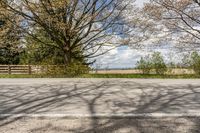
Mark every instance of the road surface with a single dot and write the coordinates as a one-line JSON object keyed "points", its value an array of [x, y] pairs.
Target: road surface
{"points": [[85, 98]]}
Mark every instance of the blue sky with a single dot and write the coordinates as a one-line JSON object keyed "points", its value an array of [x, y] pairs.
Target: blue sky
{"points": [[122, 57], [126, 57]]}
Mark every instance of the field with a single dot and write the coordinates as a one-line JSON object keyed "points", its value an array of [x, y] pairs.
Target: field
{"points": [[171, 71]]}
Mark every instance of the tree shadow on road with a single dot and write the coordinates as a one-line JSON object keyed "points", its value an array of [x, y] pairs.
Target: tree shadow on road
{"points": [[109, 98]]}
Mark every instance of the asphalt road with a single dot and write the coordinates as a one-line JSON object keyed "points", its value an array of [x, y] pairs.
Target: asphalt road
{"points": [[99, 96], [83, 98]]}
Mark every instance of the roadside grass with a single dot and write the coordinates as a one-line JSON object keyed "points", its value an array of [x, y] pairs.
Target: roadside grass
{"points": [[140, 76], [184, 76], [20, 76]]}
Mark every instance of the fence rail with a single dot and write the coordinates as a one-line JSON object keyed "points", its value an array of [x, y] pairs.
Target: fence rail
{"points": [[16, 69], [28, 69]]}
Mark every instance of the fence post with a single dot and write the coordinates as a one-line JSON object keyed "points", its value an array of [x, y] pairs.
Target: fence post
{"points": [[29, 70], [9, 69]]}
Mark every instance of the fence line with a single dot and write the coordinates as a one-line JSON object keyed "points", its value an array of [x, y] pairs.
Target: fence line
{"points": [[15, 69], [26, 69], [38, 69]]}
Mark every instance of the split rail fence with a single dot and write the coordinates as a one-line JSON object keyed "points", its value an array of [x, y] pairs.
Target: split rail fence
{"points": [[17, 69]]}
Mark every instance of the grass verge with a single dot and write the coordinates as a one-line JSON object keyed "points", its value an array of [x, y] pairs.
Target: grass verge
{"points": [[105, 76], [140, 76]]}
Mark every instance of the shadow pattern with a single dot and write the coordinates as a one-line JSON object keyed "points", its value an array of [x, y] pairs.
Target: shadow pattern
{"points": [[105, 97]]}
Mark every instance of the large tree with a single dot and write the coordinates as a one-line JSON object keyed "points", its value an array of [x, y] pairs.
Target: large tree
{"points": [[177, 18], [39, 53], [77, 28]]}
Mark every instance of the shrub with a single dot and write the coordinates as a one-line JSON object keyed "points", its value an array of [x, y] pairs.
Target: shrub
{"points": [[144, 65], [153, 62], [72, 70], [195, 62], [158, 63]]}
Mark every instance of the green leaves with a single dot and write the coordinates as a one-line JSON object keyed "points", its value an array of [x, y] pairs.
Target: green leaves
{"points": [[195, 62], [155, 62], [10, 45], [145, 65], [158, 63]]}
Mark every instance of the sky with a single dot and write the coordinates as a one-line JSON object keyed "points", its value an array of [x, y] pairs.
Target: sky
{"points": [[126, 57], [123, 57]]}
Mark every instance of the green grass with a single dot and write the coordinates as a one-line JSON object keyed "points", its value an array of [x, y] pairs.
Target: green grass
{"points": [[20, 76], [105, 76], [140, 76]]}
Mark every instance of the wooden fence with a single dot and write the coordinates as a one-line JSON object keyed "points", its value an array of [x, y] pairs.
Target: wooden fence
{"points": [[38, 69], [16, 69], [27, 69]]}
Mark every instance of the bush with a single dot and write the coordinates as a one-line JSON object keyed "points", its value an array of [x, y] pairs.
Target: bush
{"points": [[158, 63], [154, 62], [195, 62], [70, 71], [144, 65]]}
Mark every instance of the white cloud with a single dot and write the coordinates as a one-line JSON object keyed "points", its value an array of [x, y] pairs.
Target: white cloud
{"points": [[122, 57], [125, 57]]}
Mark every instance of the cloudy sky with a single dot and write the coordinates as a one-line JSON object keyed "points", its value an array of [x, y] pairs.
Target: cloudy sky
{"points": [[125, 57], [140, 2]]}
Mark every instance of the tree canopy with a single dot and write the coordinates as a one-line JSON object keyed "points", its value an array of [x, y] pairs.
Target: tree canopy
{"points": [[9, 37], [78, 29], [178, 19]]}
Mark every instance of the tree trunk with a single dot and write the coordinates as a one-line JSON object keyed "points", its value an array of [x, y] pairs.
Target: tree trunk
{"points": [[67, 58]]}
